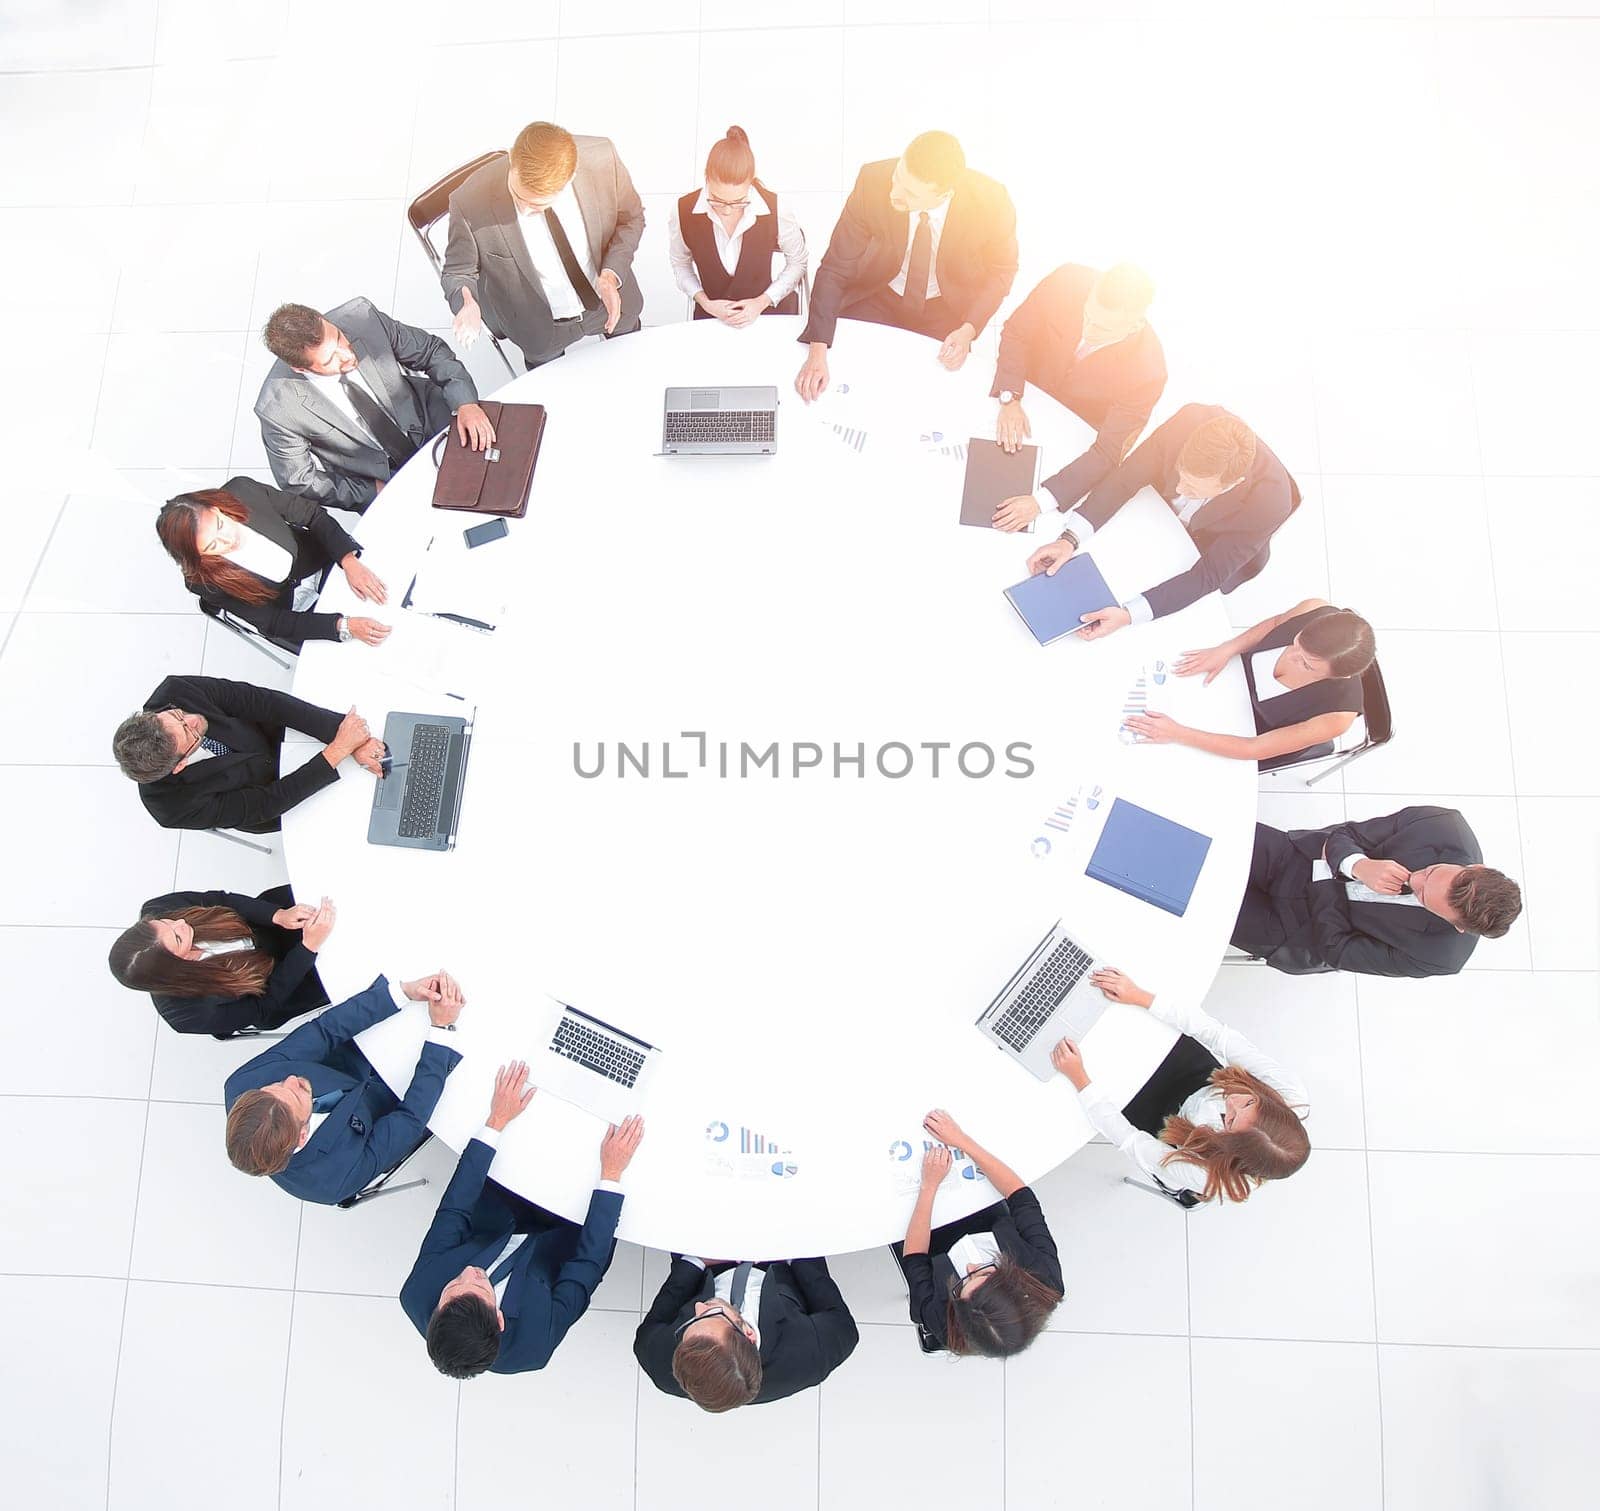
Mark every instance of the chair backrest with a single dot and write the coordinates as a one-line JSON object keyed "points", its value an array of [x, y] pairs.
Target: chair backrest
{"points": [[1375, 706], [433, 204]]}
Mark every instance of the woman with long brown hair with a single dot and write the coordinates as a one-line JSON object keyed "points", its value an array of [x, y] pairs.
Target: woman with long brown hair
{"points": [[217, 962], [245, 547], [1217, 1118], [985, 1284]]}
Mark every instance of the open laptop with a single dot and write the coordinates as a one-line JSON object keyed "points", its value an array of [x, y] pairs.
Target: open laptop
{"points": [[720, 422], [418, 802], [594, 1064], [1047, 999]]}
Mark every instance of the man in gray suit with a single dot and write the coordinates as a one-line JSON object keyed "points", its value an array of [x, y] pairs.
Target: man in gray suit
{"points": [[353, 395], [541, 245]]}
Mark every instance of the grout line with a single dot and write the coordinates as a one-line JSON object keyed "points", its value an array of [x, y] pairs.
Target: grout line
{"points": [[127, 1288], [1372, 1248], [33, 576]]}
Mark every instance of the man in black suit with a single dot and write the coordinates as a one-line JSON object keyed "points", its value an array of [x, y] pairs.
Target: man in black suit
{"points": [[728, 1334], [541, 245], [1230, 492], [924, 243], [1403, 895], [204, 752], [353, 395], [1083, 338], [499, 1281]]}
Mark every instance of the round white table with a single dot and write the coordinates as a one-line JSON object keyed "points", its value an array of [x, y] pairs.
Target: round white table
{"points": [[807, 936]]}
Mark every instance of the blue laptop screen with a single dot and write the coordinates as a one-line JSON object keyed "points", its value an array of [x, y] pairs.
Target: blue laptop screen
{"points": [[1148, 856]]}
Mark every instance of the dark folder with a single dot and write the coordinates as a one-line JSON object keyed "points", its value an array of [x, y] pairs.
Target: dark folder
{"points": [[1148, 857], [1054, 606], [993, 475]]}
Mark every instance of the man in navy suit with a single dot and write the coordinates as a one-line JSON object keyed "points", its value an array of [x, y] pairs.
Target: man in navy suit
{"points": [[499, 1281], [312, 1113]]}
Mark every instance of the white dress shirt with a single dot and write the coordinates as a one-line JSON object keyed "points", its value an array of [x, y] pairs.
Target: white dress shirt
{"points": [[332, 388], [1204, 1107], [1263, 667], [791, 242], [936, 226], [558, 290], [722, 1289], [266, 558], [210, 947]]}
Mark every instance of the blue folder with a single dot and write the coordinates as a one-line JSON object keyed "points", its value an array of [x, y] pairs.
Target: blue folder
{"points": [[1148, 857], [1054, 606]]}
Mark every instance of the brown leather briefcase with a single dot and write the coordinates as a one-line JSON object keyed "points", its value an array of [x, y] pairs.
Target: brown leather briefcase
{"points": [[495, 481]]}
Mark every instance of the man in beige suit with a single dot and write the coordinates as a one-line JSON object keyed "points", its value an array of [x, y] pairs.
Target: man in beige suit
{"points": [[541, 245]]}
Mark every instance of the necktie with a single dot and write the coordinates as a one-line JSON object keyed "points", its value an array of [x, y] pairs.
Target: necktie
{"points": [[741, 1280], [326, 1102], [916, 294], [397, 445], [575, 274], [216, 747], [503, 1268]]}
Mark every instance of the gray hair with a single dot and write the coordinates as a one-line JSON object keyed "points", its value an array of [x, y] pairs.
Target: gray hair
{"points": [[143, 748]]}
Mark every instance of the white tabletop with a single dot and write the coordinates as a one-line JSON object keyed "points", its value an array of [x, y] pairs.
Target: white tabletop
{"points": [[808, 950]]}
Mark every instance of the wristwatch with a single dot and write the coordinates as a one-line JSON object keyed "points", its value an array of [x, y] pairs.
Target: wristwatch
{"points": [[1007, 397], [344, 628]]}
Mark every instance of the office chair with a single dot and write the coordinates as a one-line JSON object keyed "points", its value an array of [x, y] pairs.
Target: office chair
{"points": [[234, 838], [1377, 720], [379, 1186], [1188, 1200], [248, 633], [429, 208]]}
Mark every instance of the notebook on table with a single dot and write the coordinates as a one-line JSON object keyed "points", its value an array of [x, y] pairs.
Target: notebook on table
{"points": [[994, 475], [1149, 857], [1054, 606]]}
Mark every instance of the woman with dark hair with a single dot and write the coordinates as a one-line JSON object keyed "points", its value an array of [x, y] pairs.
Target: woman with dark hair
{"points": [[1303, 669], [245, 547], [1217, 1117], [987, 1284], [724, 238], [217, 962]]}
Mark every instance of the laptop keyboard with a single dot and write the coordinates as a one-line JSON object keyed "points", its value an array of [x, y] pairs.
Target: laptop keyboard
{"points": [[719, 427], [597, 1052], [430, 749], [1061, 970]]}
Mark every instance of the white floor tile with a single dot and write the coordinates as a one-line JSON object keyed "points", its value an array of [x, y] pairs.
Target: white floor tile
{"points": [[1396, 402], [1550, 719], [1322, 1437], [216, 289], [230, 1391], [1375, 523], [207, 860], [958, 1401], [1449, 716], [95, 117], [71, 1167], [187, 419], [1486, 1249], [585, 1456], [351, 249], [1291, 1262], [96, 36], [250, 1227], [194, 1067], [870, 1280], [71, 812], [56, 431], [630, 16], [210, 133], [1561, 881], [195, 31], [511, 20], [1431, 1083], [67, 1332], [664, 302], [246, 454], [113, 1040], [322, 155], [105, 557], [32, 518], [1071, 1440], [1487, 1429], [1533, 390], [1540, 588], [84, 258], [400, 1389], [1122, 1250]]}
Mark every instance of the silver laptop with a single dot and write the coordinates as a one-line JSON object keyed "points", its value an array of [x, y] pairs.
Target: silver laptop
{"points": [[417, 804], [719, 422], [1048, 998], [594, 1064]]}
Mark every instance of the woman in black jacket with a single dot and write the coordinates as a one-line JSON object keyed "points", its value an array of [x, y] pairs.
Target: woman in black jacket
{"points": [[245, 547], [987, 1284], [218, 962]]}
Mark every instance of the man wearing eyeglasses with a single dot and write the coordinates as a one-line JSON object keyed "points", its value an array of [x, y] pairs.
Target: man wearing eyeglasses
{"points": [[205, 753], [729, 1333]]}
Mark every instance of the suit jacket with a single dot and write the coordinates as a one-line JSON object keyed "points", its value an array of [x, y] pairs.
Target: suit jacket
{"points": [[1380, 938], [1232, 531], [313, 540], [368, 1130], [553, 1274], [486, 254], [292, 988], [242, 790], [316, 449], [1114, 389], [976, 261], [806, 1329]]}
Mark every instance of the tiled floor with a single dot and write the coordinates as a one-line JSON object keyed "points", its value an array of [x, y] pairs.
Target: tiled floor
{"points": [[1369, 227]]}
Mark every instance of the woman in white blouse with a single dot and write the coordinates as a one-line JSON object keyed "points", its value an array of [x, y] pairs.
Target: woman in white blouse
{"points": [[1218, 1117], [725, 236], [246, 547]]}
